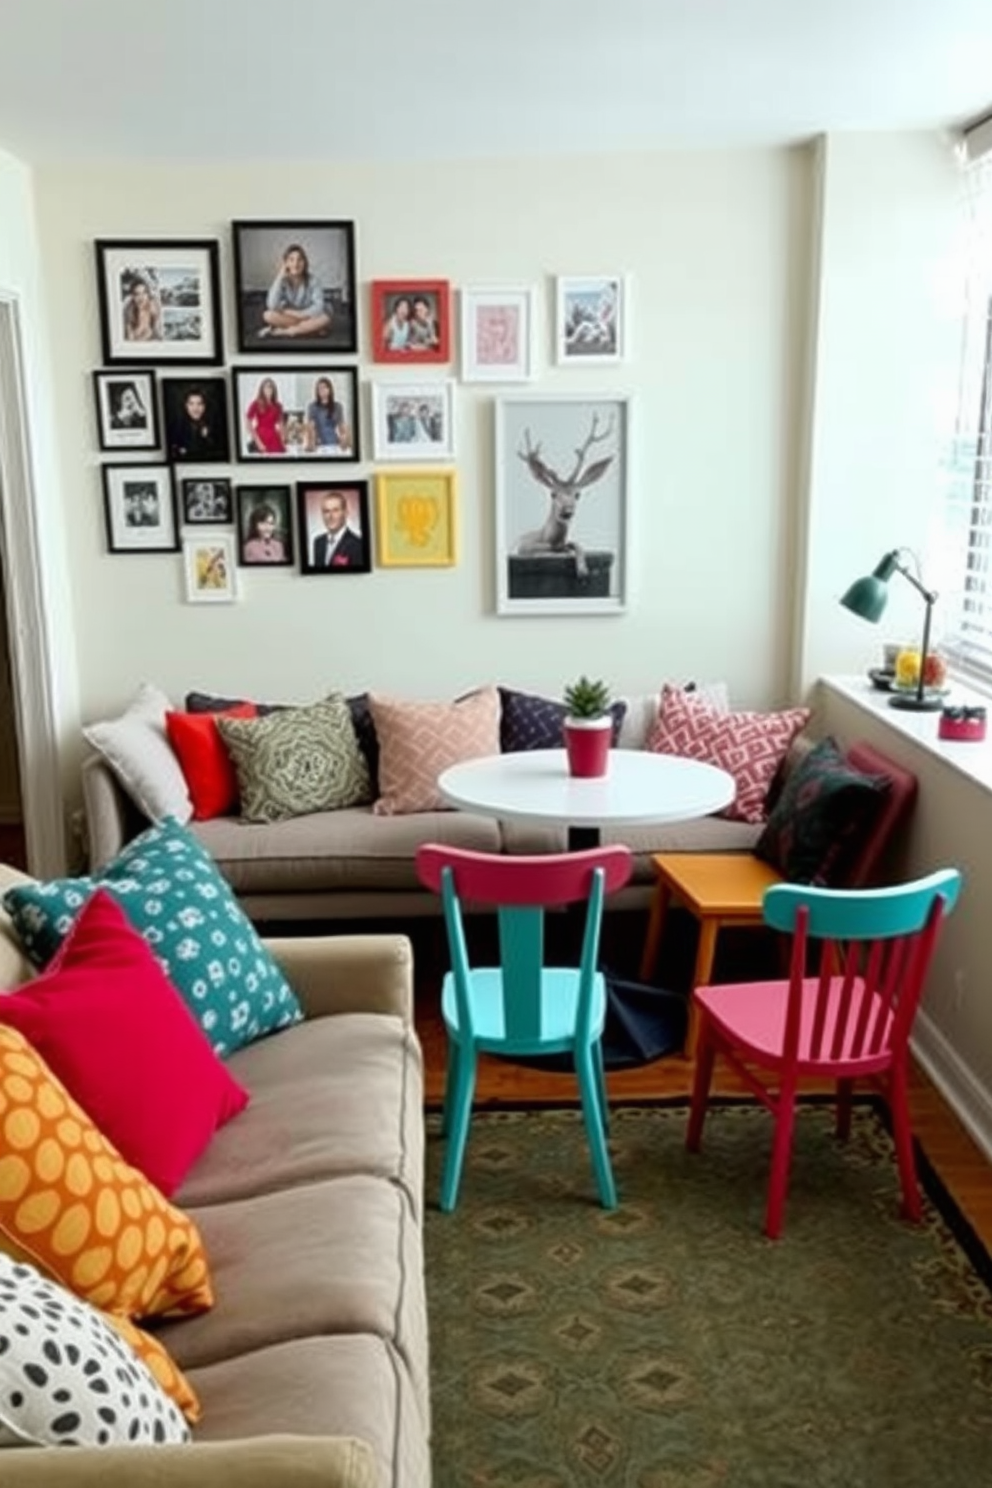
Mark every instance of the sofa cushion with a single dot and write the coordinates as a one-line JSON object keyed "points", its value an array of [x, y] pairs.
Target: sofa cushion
{"points": [[748, 745], [297, 761], [71, 1205], [528, 721], [67, 1378], [137, 749], [350, 849], [312, 1089], [822, 814], [705, 834], [205, 761], [350, 1385], [111, 1026], [417, 741], [170, 889]]}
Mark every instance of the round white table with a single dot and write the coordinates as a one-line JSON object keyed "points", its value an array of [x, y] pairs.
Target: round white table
{"points": [[639, 786]]}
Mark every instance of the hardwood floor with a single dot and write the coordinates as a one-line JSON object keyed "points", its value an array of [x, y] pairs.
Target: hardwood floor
{"points": [[957, 1159]]}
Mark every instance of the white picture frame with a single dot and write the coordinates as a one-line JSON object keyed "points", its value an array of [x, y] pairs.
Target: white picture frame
{"points": [[573, 452], [497, 333], [413, 420], [590, 320], [209, 568]]}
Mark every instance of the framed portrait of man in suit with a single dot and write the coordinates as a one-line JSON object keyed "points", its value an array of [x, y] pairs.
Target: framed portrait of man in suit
{"points": [[334, 527]]}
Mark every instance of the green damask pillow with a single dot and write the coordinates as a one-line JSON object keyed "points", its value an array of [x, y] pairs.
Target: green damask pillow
{"points": [[297, 761]]}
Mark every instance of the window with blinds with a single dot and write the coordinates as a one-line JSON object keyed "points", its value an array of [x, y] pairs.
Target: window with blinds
{"points": [[966, 475]]}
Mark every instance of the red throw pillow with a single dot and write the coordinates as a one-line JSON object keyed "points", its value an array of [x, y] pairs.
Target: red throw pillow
{"points": [[204, 760], [748, 745], [113, 1029]]}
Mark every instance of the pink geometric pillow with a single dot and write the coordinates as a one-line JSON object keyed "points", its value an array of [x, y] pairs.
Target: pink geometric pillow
{"points": [[419, 740], [748, 745]]}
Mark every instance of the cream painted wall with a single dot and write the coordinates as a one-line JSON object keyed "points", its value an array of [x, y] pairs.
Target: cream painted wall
{"points": [[716, 246], [885, 337]]}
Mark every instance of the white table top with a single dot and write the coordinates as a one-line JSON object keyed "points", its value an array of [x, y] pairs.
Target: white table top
{"points": [[639, 786]]}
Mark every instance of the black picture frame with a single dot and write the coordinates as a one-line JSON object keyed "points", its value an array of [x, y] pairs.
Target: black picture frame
{"points": [[349, 558], [292, 436], [206, 501], [194, 413], [159, 301], [256, 549], [126, 410], [261, 249], [139, 506]]}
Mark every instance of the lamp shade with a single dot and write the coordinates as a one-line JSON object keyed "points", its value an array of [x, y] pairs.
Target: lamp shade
{"points": [[867, 597]]}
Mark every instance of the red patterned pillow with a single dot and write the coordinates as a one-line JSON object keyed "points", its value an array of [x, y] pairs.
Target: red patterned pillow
{"points": [[748, 745]]}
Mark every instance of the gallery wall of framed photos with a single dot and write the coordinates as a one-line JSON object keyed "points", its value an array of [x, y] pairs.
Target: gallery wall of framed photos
{"points": [[184, 428]]}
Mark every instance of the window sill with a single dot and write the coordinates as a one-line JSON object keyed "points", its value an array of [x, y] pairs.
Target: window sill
{"points": [[973, 760]]}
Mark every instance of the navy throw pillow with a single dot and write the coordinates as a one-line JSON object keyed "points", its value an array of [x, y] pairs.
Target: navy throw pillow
{"points": [[531, 722]]}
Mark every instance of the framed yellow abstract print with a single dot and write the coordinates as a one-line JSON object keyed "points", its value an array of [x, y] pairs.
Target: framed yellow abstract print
{"points": [[415, 518]]}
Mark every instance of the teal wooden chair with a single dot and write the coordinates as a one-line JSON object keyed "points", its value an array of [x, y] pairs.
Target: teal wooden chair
{"points": [[850, 1020], [523, 1007]]}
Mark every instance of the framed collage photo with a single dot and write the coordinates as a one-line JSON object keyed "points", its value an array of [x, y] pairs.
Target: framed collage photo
{"points": [[206, 502], [195, 410], [415, 518], [139, 509], [126, 410], [413, 420], [159, 301], [296, 414], [294, 285], [411, 320], [265, 526], [497, 334], [208, 564], [562, 505], [590, 320], [335, 537]]}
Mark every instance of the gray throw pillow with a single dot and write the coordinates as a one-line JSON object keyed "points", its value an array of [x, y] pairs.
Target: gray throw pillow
{"points": [[297, 761]]}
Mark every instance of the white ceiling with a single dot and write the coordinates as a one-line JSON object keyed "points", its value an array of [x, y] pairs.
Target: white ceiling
{"points": [[364, 79]]}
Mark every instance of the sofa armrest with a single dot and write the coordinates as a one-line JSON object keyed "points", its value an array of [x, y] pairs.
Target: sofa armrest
{"points": [[261, 1462], [348, 973], [110, 816]]}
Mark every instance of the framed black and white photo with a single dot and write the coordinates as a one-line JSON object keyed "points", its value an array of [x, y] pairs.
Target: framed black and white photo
{"points": [[126, 410], [590, 320], [294, 285], [206, 502], [139, 509], [413, 420], [296, 413], [195, 410], [335, 537], [159, 301], [562, 484], [265, 526]]}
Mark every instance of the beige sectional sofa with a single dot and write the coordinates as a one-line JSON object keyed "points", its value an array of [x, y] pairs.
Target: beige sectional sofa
{"points": [[312, 1365], [352, 864]]}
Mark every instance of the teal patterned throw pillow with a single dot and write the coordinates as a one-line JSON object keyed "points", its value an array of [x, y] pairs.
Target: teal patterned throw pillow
{"points": [[172, 892]]}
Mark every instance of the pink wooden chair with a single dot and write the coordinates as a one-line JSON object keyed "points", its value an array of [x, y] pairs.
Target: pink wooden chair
{"points": [[850, 1022]]}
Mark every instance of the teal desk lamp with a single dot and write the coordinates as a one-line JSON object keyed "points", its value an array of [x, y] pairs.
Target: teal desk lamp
{"points": [[868, 596]]}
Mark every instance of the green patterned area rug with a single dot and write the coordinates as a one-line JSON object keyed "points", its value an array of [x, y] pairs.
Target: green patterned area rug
{"points": [[669, 1344]]}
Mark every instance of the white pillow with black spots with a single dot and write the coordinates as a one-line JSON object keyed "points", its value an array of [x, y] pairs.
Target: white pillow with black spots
{"points": [[67, 1378]]}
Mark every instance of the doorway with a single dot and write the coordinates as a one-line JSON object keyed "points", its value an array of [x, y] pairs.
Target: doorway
{"points": [[13, 849]]}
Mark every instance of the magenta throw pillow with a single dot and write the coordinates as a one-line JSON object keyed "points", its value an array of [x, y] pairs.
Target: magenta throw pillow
{"points": [[747, 745], [111, 1026]]}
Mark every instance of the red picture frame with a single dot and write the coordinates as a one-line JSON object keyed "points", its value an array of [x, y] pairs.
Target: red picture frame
{"points": [[411, 321]]}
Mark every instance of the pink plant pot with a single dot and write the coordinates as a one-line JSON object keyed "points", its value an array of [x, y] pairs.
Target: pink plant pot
{"points": [[587, 744]]}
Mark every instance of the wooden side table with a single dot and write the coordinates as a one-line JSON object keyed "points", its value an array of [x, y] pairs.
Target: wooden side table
{"points": [[720, 889]]}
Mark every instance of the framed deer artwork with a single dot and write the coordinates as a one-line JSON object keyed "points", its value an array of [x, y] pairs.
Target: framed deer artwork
{"points": [[562, 479]]}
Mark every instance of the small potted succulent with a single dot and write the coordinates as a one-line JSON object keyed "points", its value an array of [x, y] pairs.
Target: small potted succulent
{"points": [[588, 727]]}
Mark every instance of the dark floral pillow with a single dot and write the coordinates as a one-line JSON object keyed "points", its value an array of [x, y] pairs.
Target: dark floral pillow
{"points": [[824, 813], [531, 722]]}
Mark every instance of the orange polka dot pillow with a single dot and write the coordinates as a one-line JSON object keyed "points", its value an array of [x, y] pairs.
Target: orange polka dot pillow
{"points": [[73, 1207], [749, 746]]}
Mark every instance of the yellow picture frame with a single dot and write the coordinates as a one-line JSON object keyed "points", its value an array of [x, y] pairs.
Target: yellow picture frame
{"points": [[416, 518]]}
